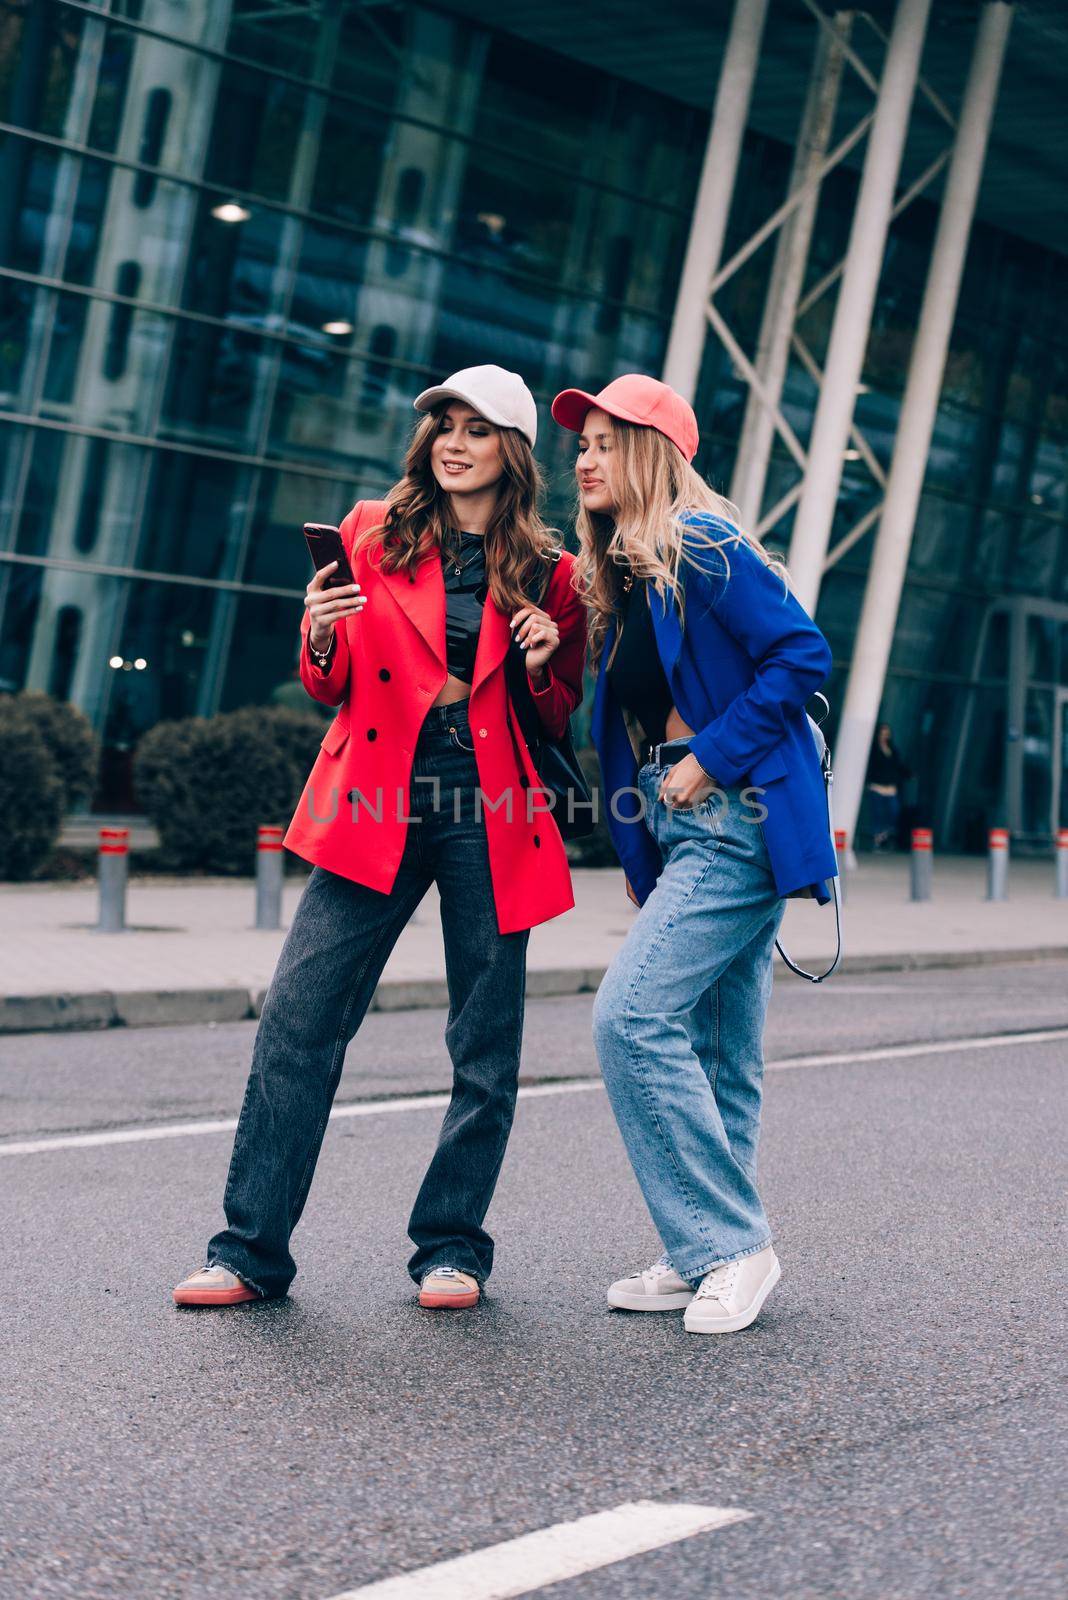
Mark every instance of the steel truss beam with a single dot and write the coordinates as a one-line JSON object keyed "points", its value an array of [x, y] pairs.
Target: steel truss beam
{"points": [[805, 192]]}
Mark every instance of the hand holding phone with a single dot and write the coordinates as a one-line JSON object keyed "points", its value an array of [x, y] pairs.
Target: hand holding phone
{"points": [[325, 545], [332, 593]]}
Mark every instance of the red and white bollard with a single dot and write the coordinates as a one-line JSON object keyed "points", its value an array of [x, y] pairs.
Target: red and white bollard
{"points": [[921, 862], [997, 864], [112, 872], [841, 850], [270, 870], [1061, 853]]}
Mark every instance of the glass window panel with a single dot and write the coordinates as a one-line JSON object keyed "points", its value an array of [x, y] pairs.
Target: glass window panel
{"points": [[168, 625], [213, 378], [20, 594], [44, 450], [344, 187], [255, 134], [1042, 649], [196, 516], [965, 375], [1049, 476], [68, 328], [1036, 793], [109, 101], [1034, 556], [511, 216], [264, 670], [992, 549], [1008, 465], [525, 88], [996, 649], [841, 597], [371, 44], [940, 537], [276, 554], [1061, 712], [937, 631], [980, 791], [16, 303], [1055, 415], [952, 458]]}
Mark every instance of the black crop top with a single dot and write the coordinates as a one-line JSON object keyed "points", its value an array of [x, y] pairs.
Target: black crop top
{"points": [[465, 596], [636, 674]]}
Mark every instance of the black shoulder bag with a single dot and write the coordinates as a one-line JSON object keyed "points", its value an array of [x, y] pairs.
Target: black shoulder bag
{"points": [[555, 760]]}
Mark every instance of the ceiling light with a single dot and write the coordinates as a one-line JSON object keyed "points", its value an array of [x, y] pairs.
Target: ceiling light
{"points": [[230, 211], [850, 455], [341, 327], [140, 663], [115, 661]]}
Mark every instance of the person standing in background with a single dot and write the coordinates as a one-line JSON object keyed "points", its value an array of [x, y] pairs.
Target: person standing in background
{"points": [[887, 773]]}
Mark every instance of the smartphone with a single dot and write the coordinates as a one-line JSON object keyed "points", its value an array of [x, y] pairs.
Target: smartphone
{"points": [[325, 544]]}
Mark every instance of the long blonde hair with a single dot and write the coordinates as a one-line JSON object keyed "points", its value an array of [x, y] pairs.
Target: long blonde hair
{"points": [[652, 530], [418, 520]]}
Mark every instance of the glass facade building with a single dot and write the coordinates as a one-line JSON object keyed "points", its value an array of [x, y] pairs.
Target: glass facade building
{"points": [[237, 238]]}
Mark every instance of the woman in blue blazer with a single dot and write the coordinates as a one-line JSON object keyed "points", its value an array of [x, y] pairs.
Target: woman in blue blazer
{"points": [[696, 638]]}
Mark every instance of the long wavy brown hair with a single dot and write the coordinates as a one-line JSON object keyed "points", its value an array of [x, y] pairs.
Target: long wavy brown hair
{"points": [[419, 520], [648, 534]]}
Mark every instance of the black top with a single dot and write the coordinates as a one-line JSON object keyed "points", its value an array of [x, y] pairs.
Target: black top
{"points": [[886, 767], [465, 596], [636, 674]]}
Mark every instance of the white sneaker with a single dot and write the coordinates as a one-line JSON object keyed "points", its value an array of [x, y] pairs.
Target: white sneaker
{"points": [[658, 1288], [730, 1297]]}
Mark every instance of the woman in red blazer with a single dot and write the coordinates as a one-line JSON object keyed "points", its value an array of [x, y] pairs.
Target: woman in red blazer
{"points": [[423, 777]]}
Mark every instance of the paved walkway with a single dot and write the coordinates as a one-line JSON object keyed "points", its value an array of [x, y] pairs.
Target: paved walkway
{"points": [[191, 954]]}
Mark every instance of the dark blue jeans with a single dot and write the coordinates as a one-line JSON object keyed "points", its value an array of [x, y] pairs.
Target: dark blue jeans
{"points": [[331, 961]]}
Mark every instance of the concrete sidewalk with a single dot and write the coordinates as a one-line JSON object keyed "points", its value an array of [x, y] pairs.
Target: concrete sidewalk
{"points": [[192, 956]]}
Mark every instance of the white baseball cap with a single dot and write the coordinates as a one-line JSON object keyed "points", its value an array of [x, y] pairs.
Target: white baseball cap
{"points": [[499, 396]]}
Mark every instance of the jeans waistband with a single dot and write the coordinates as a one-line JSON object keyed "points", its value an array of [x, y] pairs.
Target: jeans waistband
{"points": [[439, 719], [667, 753]]}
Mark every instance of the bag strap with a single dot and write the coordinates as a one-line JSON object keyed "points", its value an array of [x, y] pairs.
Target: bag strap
{"points": [[526, 710], [828, 782]]}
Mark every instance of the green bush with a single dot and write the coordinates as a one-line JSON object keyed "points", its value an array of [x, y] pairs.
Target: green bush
{"points": [[208, 782], [70, 739], [31, 793]]}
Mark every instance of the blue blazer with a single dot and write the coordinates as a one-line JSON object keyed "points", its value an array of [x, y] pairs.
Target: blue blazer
{"points": [[740, 671]]}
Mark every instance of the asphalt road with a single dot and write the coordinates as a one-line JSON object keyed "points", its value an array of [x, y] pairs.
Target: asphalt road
{"points": [[893, 1424]]}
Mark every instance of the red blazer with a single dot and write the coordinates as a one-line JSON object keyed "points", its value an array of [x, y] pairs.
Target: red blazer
{"points": [[388, 668]]}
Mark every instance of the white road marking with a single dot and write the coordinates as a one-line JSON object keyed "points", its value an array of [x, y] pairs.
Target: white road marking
{"points": [[183, 1130], [933, 1047], [534, 1091], [519, 1566]]}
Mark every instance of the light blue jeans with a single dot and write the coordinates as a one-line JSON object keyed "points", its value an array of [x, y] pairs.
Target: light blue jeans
{"points": [[679, 1021]]}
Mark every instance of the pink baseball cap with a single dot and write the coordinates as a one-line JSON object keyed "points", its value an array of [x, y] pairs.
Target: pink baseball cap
{"points": [[634, 398]]}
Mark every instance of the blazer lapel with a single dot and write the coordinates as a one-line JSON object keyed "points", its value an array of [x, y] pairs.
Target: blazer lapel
{"points": [[494, 638], [423, 602]]}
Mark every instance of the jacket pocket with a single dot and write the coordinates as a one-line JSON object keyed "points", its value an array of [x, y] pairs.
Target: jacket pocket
{"points": [[769, 767], [335, 736]]}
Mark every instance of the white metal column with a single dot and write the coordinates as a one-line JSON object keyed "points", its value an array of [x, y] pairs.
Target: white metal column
{"points": [[787, 273], [852, 317], [689, 325], [886, 575]]}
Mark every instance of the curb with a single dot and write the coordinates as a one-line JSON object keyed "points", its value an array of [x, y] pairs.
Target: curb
{"points": [[149, 1008]]}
